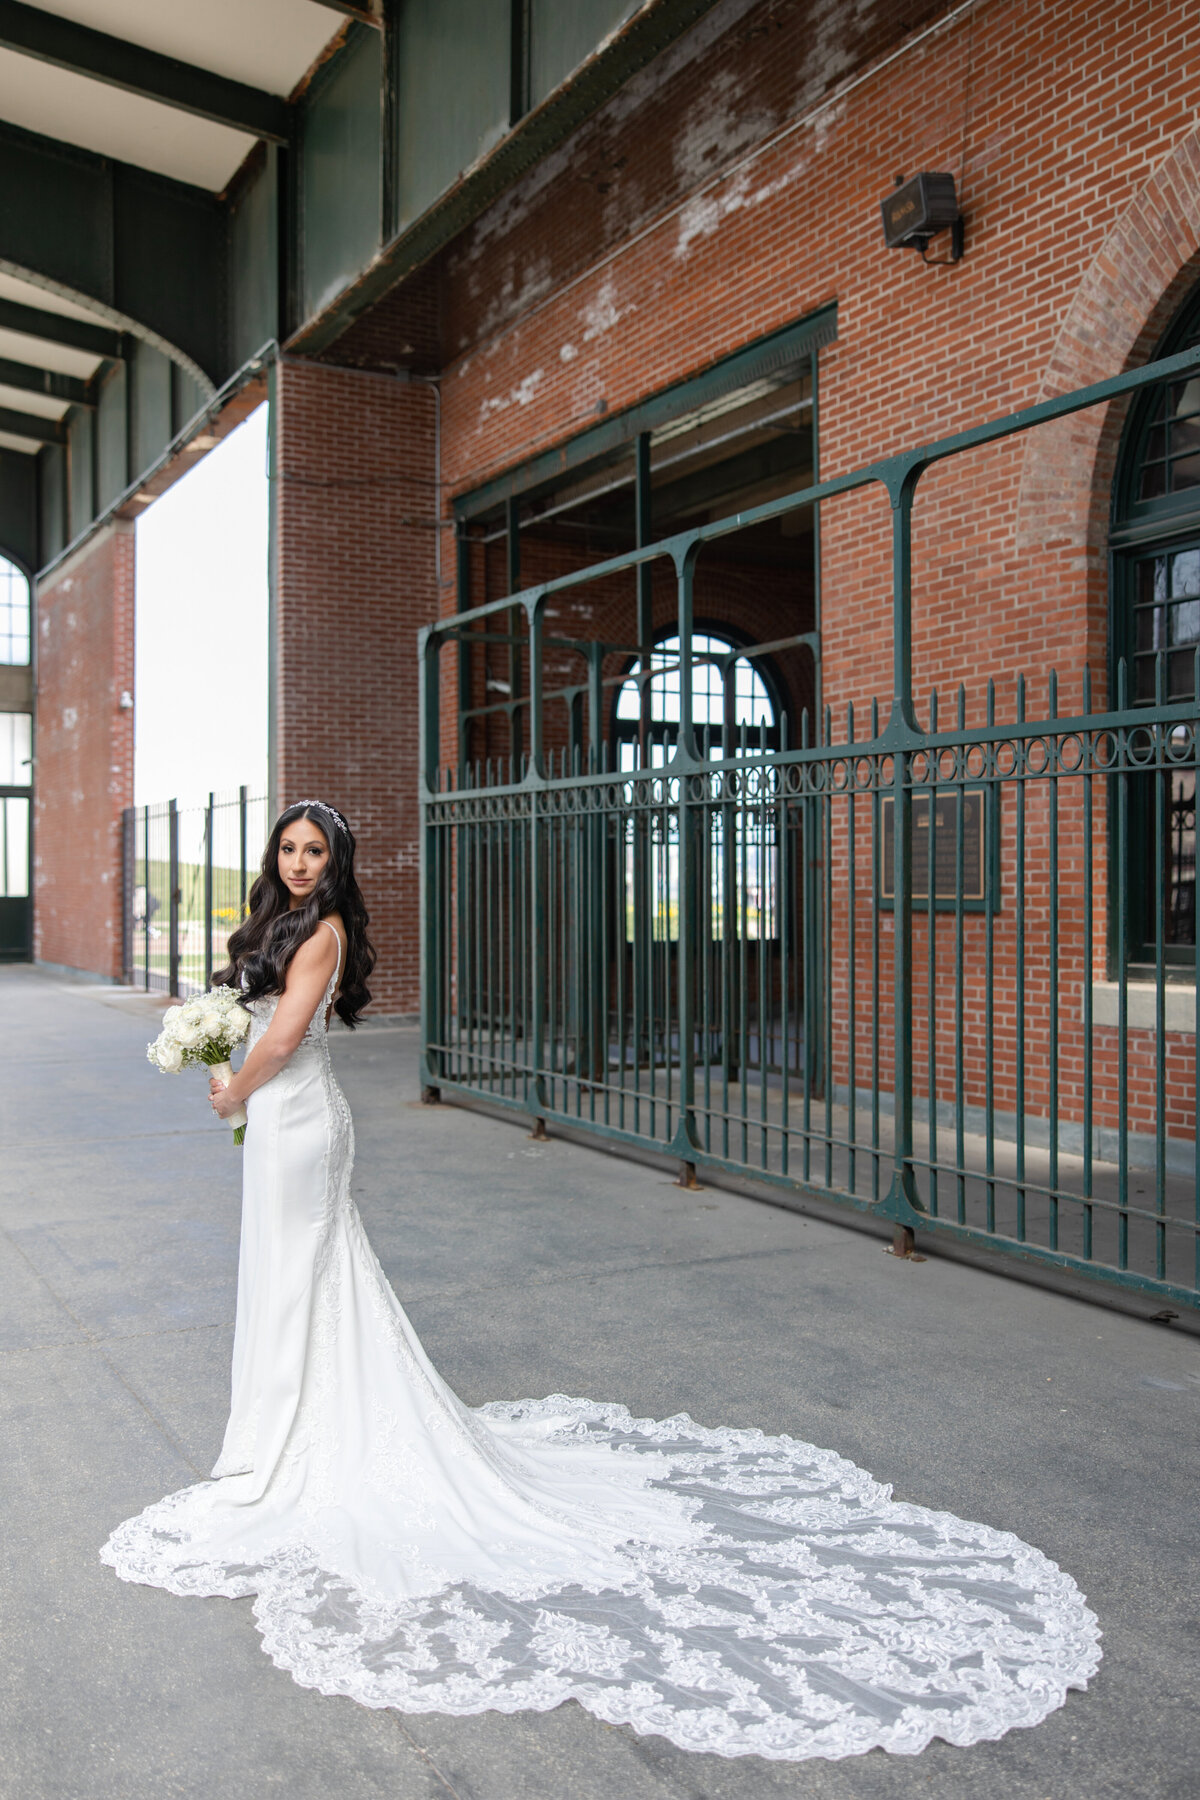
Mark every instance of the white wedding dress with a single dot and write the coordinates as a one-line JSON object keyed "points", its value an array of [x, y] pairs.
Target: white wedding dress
{"points": [[734, 1592]]}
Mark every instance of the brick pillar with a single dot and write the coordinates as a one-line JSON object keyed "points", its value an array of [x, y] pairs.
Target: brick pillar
{"points": [[84, 748], [355, 503]]}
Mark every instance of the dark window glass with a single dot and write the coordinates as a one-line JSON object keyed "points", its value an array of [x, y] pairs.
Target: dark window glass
{"points": [[1170, 452], [1156, 633], [1165, 637]]}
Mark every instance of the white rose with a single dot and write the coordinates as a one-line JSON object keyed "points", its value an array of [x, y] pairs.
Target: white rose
{"points": [[187, 1032], [238, 1023], [170, 1058], [191, 1010], [171, 1017], [212, 1024]]}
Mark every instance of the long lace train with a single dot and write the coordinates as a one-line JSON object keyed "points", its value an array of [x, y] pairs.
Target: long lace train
{"points": [[815, 1616], [731, 1591]]}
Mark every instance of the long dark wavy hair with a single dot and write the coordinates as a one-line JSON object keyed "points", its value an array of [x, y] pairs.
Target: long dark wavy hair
{"points": [[261, 949]]}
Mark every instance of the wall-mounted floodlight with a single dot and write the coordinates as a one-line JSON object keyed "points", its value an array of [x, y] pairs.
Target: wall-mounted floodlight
{"points": [[918, 209]]}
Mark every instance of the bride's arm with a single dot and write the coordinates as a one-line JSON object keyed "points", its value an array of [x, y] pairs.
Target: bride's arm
{"points": [[304, 989]]}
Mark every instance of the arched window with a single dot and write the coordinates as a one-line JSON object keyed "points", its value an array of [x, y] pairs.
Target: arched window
{"points": [[732, 708], [14, 614], [733, 714], [1156, 639]]}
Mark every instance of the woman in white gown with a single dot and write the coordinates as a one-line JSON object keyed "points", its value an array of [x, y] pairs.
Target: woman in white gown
{"points": [[734, 1592]]}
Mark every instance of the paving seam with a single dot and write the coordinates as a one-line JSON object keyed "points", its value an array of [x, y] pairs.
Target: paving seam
{"points": [[423, 1753], [95, 1343], [45, 1145], [596, 1274]]}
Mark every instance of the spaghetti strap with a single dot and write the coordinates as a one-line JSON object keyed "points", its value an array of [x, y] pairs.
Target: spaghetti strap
{"points": [[338, 965]]}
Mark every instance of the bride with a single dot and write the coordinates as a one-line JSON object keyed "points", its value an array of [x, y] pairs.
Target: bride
{"points": [[733, 1592]]}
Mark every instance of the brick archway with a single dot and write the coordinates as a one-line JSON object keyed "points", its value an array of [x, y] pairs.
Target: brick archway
{"points": [[1121, 307]]}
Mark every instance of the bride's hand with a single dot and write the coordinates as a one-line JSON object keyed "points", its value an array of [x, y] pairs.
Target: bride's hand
{"points": [[223, 1102]]}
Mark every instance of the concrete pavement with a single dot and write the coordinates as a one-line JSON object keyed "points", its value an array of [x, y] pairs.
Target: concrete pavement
{"points": [[527, 1268]]}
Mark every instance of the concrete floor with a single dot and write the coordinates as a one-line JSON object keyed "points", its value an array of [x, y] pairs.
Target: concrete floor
{"points": [[527, 1268]]}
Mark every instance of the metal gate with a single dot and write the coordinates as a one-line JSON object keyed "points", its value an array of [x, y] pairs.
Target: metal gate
{"points": [[883, 965], [187, 872]]}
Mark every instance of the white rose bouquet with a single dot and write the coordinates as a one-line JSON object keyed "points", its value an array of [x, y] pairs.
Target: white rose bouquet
{"points": [[203, 1031]]}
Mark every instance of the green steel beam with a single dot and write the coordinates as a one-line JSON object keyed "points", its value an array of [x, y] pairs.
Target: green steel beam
{"points": [[33, 321], [366, 14], [18, 508], [651, 30], [150, 249], [120, 63], [712, 486], [26, 425], [45, 381]]}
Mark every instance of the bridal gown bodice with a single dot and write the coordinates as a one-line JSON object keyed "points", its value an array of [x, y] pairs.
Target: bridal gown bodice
{"points": [[732, 1591]]}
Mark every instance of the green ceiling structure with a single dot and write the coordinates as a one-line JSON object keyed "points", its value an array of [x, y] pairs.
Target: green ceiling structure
{"points": [[269, 205]]}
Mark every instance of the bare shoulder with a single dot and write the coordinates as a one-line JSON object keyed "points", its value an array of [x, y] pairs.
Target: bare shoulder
{"points": [[319, 948], [335, 919]]}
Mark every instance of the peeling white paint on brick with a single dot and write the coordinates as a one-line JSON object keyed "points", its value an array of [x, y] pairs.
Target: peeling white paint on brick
{"points": [[703, 215], [513, 297], [521, 395], [712, 133], [602, 313], [511, 208]]}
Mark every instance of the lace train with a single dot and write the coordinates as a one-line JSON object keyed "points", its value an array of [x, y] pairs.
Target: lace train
{"points": [[733, 1592], [815, 1616]]}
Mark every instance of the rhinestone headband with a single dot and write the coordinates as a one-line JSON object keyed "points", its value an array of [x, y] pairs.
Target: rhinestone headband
{"points": [[322, 807]]}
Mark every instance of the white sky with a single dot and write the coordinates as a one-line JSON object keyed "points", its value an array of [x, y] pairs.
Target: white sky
{"points": [[201, 633]]}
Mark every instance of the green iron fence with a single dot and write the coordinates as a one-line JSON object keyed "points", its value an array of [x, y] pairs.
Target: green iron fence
{"points": [[883, 964], [187, 872]]}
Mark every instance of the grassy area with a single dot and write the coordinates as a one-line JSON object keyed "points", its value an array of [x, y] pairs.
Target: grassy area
{"points": [[226, 893]]}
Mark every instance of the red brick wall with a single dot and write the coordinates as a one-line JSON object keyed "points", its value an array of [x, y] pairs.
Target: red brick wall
{"points": [[666, 239], [84, 747], [635, 262], [355, 523], [730, 189]]}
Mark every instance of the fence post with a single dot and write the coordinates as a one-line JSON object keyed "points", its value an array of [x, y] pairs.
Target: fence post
{"points": [[512, 517], [208, 892], [146, 901], [535, 780], [432, 949], [128, 873], [173, 889], [903, 1204], [594, 1036], [684, 763], [242, 809]]}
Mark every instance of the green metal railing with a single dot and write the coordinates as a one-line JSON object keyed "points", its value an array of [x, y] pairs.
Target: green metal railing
{"points": [[869, 965], [187, 873]]}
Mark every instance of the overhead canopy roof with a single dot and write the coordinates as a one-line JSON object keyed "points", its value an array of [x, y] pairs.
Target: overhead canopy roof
{"points": [[180, 89], [39, 376], [185, 184], [135, 81]]}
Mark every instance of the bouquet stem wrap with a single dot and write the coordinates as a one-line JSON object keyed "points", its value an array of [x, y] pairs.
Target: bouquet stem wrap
{"points": [[224, 1072]]}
